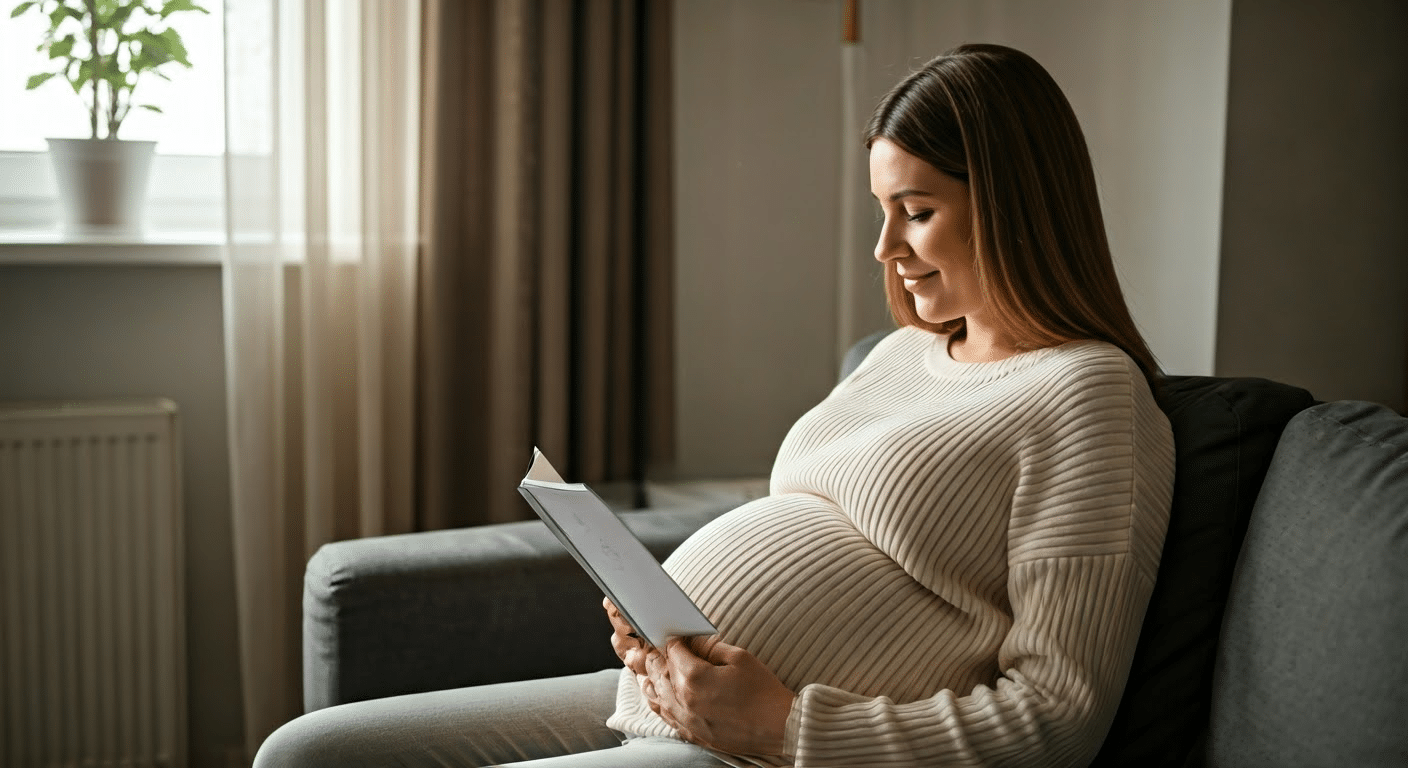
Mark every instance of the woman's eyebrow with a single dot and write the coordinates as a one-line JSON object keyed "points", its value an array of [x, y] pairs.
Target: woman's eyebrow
{"points": [[903, 193]]}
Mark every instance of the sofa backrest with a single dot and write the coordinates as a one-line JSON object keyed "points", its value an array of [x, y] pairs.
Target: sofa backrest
{"points": [[1312, 666]]}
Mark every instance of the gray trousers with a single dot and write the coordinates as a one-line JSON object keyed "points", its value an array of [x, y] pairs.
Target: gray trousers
{"points": [[554, 723]]}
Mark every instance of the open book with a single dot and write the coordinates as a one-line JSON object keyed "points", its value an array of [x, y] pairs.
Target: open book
{"points": [[618, 562]]}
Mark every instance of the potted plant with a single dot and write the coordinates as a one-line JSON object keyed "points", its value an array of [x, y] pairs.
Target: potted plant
{"points": [[102, 48]]}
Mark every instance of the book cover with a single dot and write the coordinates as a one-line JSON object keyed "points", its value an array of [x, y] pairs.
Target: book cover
{"points": [[617, 561]]}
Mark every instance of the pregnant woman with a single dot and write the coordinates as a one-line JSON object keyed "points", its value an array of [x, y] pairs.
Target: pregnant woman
{"points": [[959, 542]]}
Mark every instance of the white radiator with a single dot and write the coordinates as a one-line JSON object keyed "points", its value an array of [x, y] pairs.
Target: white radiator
{"points": [[92, 613]]}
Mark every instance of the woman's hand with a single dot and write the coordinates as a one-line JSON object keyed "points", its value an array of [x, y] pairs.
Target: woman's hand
{"points": [[629, 647], [725, 699]]}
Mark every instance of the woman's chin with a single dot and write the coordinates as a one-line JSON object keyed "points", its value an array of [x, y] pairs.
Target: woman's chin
{"points": [[935, 315]]}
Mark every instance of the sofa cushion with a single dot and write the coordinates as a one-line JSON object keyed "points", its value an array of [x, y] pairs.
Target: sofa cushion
{"points": [[1225, 431], [1313, 664]]}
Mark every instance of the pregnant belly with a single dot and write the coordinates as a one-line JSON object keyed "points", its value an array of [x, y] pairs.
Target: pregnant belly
{"points": [[789, 578]]}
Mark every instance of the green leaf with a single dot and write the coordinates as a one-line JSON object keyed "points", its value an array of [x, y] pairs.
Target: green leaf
{"points": [[152, 43], [150, 53], [38, 80], [116, 80], [61, 12], [175, 47], [85, 74], [21, 8], [120, 17], [151, 107], [61, 48], [172, 6]]}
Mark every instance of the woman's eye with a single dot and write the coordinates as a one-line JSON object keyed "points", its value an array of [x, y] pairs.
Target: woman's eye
{"points": [[921, 216]]}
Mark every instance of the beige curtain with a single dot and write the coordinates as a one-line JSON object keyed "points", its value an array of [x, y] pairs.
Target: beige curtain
{"points": [[546, 256], [322, 162]]}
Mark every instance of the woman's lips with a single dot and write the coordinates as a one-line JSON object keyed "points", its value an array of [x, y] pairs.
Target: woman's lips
{"points": [[913, 281]]}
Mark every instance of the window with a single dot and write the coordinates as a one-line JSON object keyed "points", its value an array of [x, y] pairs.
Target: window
{"points": [[186, 188]]}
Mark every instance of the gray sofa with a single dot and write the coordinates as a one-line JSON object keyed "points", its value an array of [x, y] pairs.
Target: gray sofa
{"points": [[1277, 634]]}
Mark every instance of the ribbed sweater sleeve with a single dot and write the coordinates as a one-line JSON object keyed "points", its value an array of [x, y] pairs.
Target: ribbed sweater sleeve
{"points": [[954, 561]]}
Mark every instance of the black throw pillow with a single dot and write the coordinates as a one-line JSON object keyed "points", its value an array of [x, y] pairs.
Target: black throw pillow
{"points": [[1225, 431]]}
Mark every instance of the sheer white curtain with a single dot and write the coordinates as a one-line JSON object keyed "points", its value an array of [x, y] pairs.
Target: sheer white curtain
{"points": [[322, 103]]}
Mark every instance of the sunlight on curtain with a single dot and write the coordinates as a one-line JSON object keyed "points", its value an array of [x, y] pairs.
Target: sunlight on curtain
{"points": [[321, 165]]}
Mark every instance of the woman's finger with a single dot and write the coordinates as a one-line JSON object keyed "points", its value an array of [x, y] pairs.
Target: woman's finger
{"points": [[652, 700], [618, 621], [620, 644], [635, 660], [612, 612], [703, 646], [683, 663], [624, 642], [661, 692], [630, 652], [620, 625]]}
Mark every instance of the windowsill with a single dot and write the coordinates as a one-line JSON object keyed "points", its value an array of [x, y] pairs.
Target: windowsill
{"points": [[184, 219], [47, 247]]}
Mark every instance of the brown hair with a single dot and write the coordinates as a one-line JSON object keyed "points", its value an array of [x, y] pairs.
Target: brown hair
{"points": [[993, 118]]}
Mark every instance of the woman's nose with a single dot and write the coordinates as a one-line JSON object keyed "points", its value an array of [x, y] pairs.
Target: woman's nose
{"points": [[887, 246]]}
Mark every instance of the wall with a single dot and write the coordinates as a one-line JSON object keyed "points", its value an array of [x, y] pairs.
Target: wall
{"points": [[76, 331], [1315, 229], [756, 207], [765, 294]]}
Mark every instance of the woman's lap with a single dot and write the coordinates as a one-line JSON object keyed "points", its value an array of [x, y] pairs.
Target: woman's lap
{"points": [[518, 724]]}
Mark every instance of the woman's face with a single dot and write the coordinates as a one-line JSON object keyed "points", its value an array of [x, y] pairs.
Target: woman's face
{"points": [[927, 235]]}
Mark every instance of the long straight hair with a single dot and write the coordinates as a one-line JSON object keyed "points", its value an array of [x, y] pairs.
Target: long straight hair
{"points": [[993, 118]]}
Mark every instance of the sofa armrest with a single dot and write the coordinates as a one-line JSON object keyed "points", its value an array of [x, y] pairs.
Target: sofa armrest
{"points": [[417, 612]]}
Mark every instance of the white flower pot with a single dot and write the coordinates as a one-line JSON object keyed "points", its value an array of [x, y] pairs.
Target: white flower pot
{"points": [[102, 184]]}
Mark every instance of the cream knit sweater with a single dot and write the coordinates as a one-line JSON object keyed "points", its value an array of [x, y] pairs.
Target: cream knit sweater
{"points": [[953, 562]]}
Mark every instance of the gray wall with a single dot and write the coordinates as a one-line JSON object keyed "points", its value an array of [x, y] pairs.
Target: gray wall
{"points": [[755, 177], [1315, 227], [81, 332]]}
